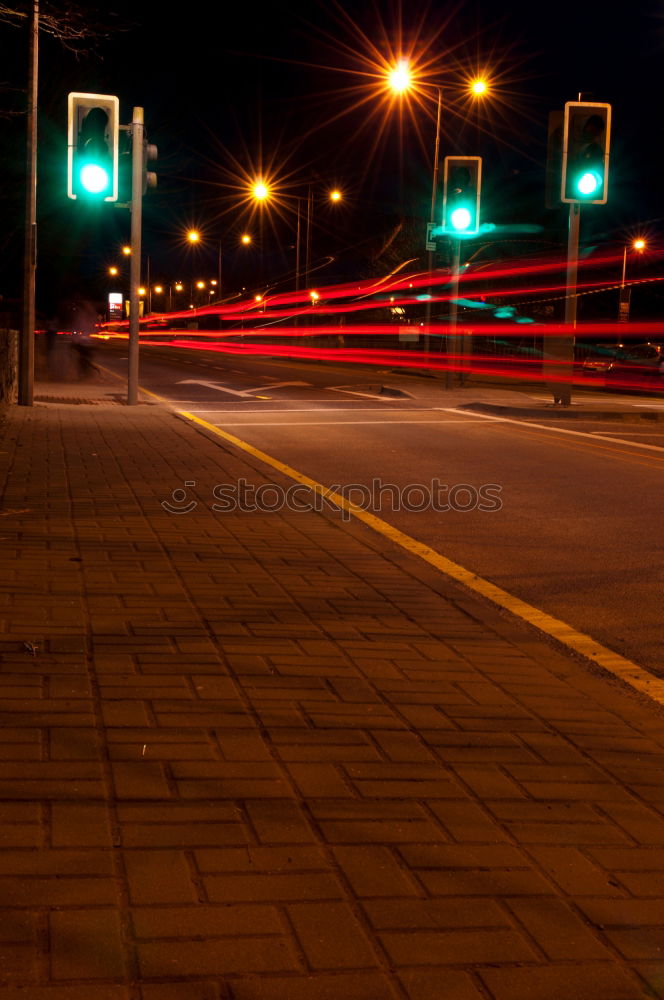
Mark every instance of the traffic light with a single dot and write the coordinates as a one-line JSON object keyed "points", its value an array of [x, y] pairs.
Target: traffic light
{"points": [[93, 138], [461, 197], [586, 142], [150, 153]]}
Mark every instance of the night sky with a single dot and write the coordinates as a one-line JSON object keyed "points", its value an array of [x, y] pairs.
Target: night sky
{"points": [[237, 89]]}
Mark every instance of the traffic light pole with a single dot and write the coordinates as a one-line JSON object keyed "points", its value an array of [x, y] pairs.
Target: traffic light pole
{"points": [[564, 393], [452, 339], [137, 129], [560, 350]]}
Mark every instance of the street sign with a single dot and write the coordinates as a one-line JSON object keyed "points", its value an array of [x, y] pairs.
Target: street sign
{"points": [[430, 244], [114, 305], [623, 314]]}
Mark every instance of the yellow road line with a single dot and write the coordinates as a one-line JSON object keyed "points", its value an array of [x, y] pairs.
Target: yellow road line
{"points": [[619, 666]]}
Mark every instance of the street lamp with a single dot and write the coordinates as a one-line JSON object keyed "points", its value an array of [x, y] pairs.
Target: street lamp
{"points": [[625, 294], [400, 77], [334, 196], [178, 287], [260, 190], [638, 245]]}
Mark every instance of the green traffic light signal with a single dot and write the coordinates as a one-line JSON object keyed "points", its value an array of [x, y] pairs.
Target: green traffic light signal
{"points": [[585, 152], [588, 183], [461, 197], [460, 219], [94, 178], [93, 139]]}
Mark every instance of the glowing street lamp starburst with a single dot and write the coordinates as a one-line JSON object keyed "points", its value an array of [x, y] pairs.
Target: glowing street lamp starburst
{"points": [[260, 190], [400, 77], [478, 87]]}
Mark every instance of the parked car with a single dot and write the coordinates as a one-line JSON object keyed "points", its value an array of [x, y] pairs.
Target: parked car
{"points": [[601, 358], [626, 359]]}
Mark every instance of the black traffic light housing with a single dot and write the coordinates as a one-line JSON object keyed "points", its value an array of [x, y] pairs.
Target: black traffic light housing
{"points": [[585, 155], [462, 186], [150, 153], [93, 146]]}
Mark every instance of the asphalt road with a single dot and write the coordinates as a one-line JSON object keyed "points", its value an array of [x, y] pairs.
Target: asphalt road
{"points": [[571, 523]]}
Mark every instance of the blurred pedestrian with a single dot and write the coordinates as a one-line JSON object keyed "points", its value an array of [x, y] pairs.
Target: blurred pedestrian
{"points": [[82, 347]]}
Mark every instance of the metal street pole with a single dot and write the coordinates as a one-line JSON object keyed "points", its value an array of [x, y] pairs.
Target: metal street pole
{"points": [[219, 270], [297, 244], [434, 192], [27, 341], [137, 130], [307, 259], [452, 339], [559, 351], [564, 396]]}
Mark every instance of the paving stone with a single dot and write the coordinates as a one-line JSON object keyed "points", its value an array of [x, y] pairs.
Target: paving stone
{"points": [[330, 936], [302, 765], [86, 944], [582, 981]]}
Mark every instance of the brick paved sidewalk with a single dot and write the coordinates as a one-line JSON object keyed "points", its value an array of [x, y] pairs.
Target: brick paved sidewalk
{"points": [[267, 757]]}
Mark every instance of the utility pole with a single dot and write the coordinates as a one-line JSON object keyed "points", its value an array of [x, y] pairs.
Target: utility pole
{"points": [[137, 130], [434, 191], [27, 340]]}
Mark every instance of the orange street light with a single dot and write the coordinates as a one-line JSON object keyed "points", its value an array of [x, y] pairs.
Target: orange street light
{"points": [[193, 236], [113, 271], [400, 77], [141, 291], [639, 245], [200, 284], [246, 239], [260, 190], [478, 87], [158, 289], [126, 251], [335, 195]]}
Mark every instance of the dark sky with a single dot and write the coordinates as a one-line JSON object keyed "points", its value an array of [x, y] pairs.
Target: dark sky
{"points": [[228, 88]]}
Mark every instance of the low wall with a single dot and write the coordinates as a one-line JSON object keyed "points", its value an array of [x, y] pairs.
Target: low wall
{"points": [[8, 366]]}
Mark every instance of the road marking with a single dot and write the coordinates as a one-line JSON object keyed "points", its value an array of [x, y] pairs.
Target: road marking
{"points": [[629, 672], [594, 436], [367, 395], [325, 423], [210, 385], [277, 385], [237, 392]]}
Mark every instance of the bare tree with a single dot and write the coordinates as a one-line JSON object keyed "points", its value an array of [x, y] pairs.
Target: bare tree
{"points": [[74, 26]]}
